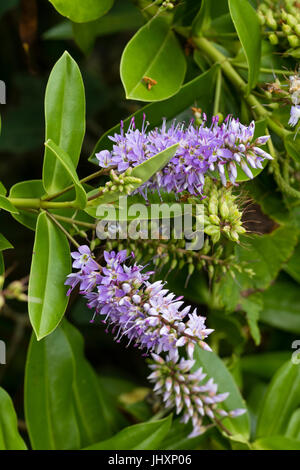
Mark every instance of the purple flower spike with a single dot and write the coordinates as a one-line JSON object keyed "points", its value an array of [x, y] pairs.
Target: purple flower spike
{"points": [[201, 150]]}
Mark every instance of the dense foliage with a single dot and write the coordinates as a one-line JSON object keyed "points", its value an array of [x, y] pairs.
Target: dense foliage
{"points": [[171, 102]]}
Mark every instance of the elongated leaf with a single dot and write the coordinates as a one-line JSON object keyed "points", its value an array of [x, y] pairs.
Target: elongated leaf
{"points": [[214, 367], [276, 443], [282, 306], [4, 243], [144, 171], [51, 263], [65, 406], [69, 168], [281, 400], [81, 12], [199, 91], [153, 53], [65, 120], [7, 205], [10, 438], [293, 430], [145, 436], [247, 26]]}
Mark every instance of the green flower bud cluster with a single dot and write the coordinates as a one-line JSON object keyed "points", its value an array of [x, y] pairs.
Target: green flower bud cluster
{"points": [[15, 290], [167, 4], [124, 182], [281, 23], [221, 213]]}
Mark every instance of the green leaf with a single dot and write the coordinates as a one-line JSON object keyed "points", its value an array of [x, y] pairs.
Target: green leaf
{"points": [[65, 120], [293, 430], [81, 12], [144, 171], [7, 205], [265, 254], [276, 443], [282, 306], [292, 145], [69, 168], [51, 263], [4, 243], [10, 438], [153, 52], [281, 400], [214, 367], [253, 305], [199, 90], [65, 406], [145, 436], [247, 26]]}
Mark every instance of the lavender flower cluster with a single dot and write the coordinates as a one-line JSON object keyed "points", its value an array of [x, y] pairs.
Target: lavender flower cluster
{"points": [[152, 318], [180, 388], [146, 313], [201, 150]]}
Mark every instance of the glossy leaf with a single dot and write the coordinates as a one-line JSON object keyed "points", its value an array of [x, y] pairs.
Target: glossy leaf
{"points": [[293, 429], [214, 367], [10, 438], [282, 306], [4, 243], [81, 12], [65, 120], [69, 168], [51, 263], [200, 91], [65, 406], [7, 205], [153, 52], [247, 26], [145, 436], [281, 400], [276, 443]]}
